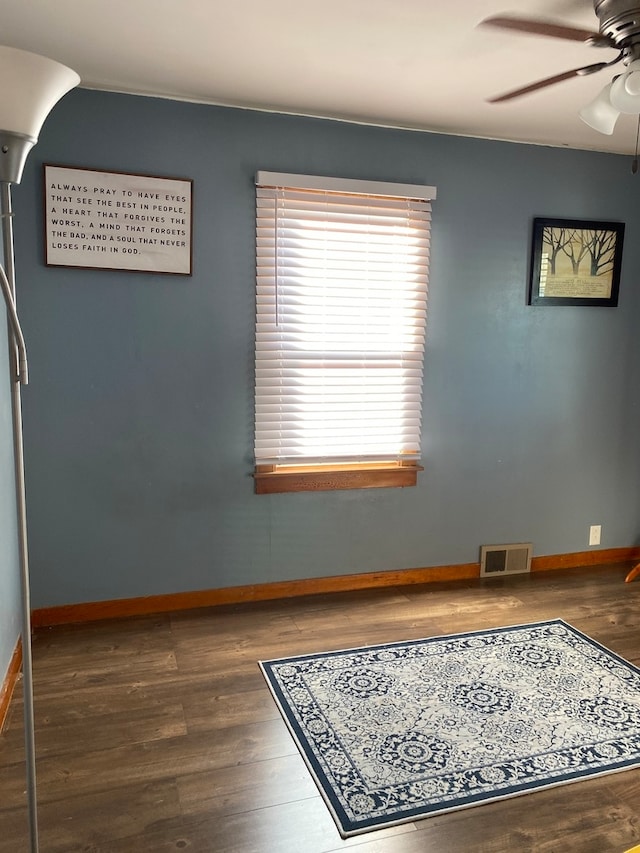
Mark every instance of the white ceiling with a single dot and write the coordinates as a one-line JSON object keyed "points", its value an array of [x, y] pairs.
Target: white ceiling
{"points": [[407, 63]]}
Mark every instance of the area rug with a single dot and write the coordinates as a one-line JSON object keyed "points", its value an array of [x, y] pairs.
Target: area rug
{"points": [[402, 731]]}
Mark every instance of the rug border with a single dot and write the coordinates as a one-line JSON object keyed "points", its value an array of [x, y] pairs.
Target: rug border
{"points": [[373, 826]]}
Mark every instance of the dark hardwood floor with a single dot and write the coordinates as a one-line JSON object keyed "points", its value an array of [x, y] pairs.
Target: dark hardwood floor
{"points": [[158, 733]]}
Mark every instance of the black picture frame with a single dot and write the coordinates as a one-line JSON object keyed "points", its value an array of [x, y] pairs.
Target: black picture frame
{"points": [[575, 262]]}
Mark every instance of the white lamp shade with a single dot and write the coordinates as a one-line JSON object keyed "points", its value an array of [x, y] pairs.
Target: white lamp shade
{"points": [[625, 92], [31, 86], [600, 114]]}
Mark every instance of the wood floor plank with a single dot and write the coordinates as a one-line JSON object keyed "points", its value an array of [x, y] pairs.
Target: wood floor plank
{"points": [[246, 787], [271, 830], [88, 821], [205, 711], [106, 731], [64, 775]]}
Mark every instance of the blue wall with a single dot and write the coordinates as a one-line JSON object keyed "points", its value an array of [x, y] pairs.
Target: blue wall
{"points": [[139, 417]]}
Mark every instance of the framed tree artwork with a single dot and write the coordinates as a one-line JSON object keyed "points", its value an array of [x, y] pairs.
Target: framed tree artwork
{"points": [[575, 262]]}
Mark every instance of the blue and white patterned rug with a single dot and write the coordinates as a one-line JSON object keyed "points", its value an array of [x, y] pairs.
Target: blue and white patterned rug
{"points": [[402, 731]]}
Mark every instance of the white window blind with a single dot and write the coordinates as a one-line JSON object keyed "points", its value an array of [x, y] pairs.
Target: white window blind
{"points": [[342, 281]]}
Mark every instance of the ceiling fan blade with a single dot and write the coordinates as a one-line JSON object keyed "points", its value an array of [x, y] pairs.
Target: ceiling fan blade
{"points": [[549, 81], [547, 28]]}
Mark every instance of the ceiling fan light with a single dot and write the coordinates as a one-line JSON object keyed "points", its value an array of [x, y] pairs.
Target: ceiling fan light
{"points": [[632, 83], [600, 114], [625, 93]]}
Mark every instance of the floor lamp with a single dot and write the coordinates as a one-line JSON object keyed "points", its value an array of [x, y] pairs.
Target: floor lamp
{"points": [[31, 85]]}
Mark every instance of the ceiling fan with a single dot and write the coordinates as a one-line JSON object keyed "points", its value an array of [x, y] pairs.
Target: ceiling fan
{"points": [[619, 28]]}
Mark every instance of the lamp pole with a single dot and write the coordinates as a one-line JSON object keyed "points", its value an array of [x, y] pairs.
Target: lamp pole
{"points": [[31, 86], [19, 376]]}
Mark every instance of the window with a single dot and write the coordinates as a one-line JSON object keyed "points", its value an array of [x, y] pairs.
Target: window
{"points": [[342, 274]]}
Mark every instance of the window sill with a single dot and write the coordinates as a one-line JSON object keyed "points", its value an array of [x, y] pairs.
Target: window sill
{"points": [[274, 479]]}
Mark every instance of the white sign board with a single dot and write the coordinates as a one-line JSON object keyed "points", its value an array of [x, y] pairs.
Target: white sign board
{"points": [[117, 221]]}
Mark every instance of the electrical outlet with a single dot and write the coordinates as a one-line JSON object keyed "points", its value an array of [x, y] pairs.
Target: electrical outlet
{"points": [[594, 534]]}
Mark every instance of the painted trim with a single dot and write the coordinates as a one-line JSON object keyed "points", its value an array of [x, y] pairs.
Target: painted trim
{"points": [[124, 607], [344, 185], [603, 557], [8, 685]]}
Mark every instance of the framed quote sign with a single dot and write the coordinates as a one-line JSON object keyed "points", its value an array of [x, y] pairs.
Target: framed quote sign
{"points": [[118, 221]]}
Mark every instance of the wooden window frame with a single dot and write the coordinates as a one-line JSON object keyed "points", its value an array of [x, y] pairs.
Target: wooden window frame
{"points": [[277, 479]]}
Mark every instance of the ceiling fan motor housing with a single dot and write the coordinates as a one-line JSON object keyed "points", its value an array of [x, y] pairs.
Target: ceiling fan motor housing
{"points": [[620, 22]]}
